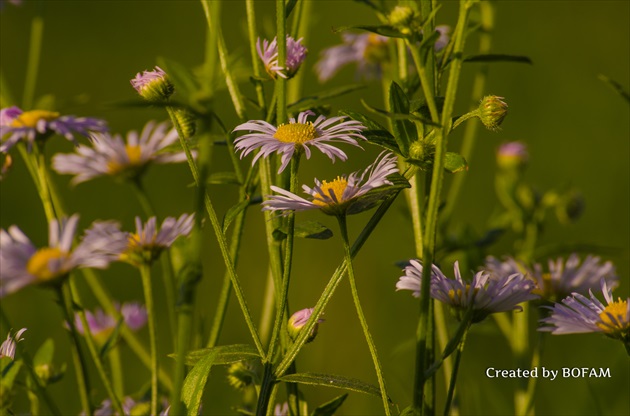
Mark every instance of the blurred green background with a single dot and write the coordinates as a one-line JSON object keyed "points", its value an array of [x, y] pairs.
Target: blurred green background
{"points": [[577, 130]]}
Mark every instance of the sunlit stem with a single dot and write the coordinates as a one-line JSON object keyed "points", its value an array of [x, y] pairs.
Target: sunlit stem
{"points": [[357, 303], [145, 273]]}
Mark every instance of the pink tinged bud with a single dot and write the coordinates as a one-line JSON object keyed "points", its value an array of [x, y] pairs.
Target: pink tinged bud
{"points": [[492, 111], [298, 320], [512, 155]]}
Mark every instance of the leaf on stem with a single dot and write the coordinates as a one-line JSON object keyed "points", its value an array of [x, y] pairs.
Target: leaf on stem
{"points": [[223, 178], [195, 382], [329, 408], [454, 162], [224, 354], [383, 30], [499, 57], [404, 130], [233, 212], [306, 229], [330, 380], [375, 133]]}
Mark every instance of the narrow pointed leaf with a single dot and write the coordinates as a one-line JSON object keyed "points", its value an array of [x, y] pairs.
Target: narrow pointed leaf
{"points": [[9, 370], [223, 178], [375, 133], [306, 229], [224, 354], [45, 353], [404, 130], [383, 30], [289, 7], [455, 162], [329, 380], [499, 57], [329, 408], [233, 212], [195, 383], [615, 86]]}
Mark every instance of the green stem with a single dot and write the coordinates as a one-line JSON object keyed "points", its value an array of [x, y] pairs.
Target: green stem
{"points": [[71, 293], [451, 389], [532, 383], [281, 83], [252, 35], [44, 189], [145, 273], [266, 319], [426, 82], [435, 200], [115, 366], [77, 356], [301, 25], [357, 303], [34, 53], [28, 361]]}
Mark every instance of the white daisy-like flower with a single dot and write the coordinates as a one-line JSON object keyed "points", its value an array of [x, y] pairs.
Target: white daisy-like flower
{"points": [[8, 347], [487, 295], [268, 53], [113, 156], [340, 196], [298, 134], [562, 277], [578, 314], [22, 264]]}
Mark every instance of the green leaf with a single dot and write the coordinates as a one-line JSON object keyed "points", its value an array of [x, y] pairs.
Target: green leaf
{"points": [[45, 353], [372, 5], [399, 116], [233, 213], [10, 370], [375, 133], [421, 107], [306, 229], [499, 57], [223, 178], [289, 7], [383, 30], [195, 382], [309, 102], [455, 162], [404, 130], [225, 354], [329, 380], [329, 408], [617, 87]]}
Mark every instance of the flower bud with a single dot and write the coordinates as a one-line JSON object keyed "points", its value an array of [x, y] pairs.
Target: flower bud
{"points": [[492, 111], [186, 122], [512, 155], [570, 207], [241, 374], [297, 322], [402, 18], [153, 85], [422, 153]]}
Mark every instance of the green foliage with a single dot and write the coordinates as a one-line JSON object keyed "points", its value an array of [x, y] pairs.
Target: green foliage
{"points": [[335, 381], [305, 229]]}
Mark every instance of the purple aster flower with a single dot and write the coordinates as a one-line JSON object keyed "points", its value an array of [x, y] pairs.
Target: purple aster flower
{"points": [[298, 135], [16, 125], [562, 277], [369, 51], [22, 264], [487, 295], [102, 325], [8, 347], [268, 53], [153, 85], [512, 154], [281, 409], [297, 322], [342, 195], [131, 407], [578, 314], [113, 156]]}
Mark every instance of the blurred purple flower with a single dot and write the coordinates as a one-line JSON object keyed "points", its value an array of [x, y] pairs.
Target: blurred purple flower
{"points": [[268, 53], [102, 324]]}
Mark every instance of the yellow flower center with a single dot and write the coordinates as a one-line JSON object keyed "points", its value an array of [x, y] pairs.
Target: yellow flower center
{"points": [[376, 48], [38, 264], [134, 153], [295, 133], [614, 317], [336, 187], [30, 118]]}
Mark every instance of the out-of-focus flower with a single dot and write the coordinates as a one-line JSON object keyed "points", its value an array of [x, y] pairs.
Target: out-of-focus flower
{"points": [[444, 38], [298, 135], [268, 53], [16, 125], [486, 295], [492, 111], [102, 325], [281, 409], [13, 2], [369, 51], [340, 196], [297, 322], [22, 264], [578, 314], [512, 155], [113, 156], [153, 85], [562, 277], [7, 349], [131, 407]]}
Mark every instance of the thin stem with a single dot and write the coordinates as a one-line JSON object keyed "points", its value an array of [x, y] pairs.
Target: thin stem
{"points": [[115, 366], [266, 319], [300, 29], [532, 383], [34, 53], [252, 35], [145, 273], [281, 83], [71, 293], [451, 389], [77, 356], [44, 190], [357, 303]]}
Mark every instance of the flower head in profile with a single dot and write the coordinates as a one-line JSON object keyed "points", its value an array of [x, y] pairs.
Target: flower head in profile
{"points": [[22, 264], [17, 125], [113, 156], [298, 135], [268, 53], [368, 51], [562, 277], [297, 322], [8, 347], [102, 325], [578, 314], [492, 111], [484, 294], [153, 85], [147, 243], [512, 155], [344, 195]]}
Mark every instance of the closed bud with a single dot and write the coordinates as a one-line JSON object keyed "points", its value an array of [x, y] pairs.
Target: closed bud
{"points": [[512, 155], [402, 18], [297, 322], [422, 153], [492, 111], [153, 85], [241, 375], [186, 122]]}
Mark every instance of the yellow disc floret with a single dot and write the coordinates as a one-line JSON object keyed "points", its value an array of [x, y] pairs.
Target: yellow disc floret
{"points": [[39, 264], [134, 154], [31, 118], [614, 318], [296, 133], [336, 187]]}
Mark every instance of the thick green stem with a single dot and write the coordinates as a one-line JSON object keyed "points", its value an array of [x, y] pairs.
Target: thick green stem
{"points": [[357, 303], [451, 389], [145, 272]]}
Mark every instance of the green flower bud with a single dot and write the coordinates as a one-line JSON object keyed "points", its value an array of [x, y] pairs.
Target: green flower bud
{"points": [[404, 19], [492, 111], [422, 153]]}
